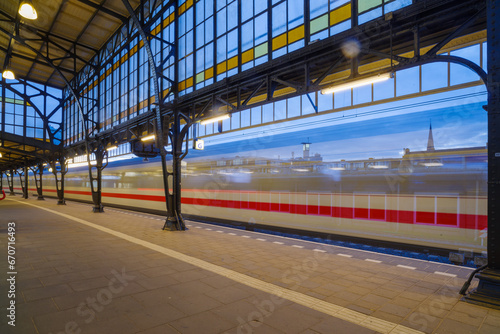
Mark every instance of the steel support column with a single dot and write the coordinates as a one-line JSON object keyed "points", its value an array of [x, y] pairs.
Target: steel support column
{"points": [[10, 181], [37, 174], [59, 178], [23, 178], [101, 157], [488, 290]]}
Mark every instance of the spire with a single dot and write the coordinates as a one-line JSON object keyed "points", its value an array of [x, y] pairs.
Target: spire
{"points": [[430, 141]]}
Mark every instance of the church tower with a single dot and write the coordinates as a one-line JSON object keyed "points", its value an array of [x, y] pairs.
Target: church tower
{"points": [[430, 141]]}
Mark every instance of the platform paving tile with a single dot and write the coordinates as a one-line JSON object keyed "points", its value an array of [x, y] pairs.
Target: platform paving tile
{"points": [[174, 296]]}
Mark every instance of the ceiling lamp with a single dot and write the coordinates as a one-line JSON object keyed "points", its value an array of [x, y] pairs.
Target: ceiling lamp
{"points": [[357, 83], [8, 74], [214, 119], [27, 10]]}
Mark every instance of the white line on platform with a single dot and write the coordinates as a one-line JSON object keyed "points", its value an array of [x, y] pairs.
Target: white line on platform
{"points": [[374, 261], [278, 243], [444, 274], [319, 250], [197, 227], [208, 229], [260, 239], [405, 267], [297, 246], [219, 231], [230, 233], [333, 310], [344, 255], [245, 236]]}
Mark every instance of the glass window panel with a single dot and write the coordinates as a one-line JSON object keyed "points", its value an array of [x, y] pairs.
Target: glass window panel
{"points": [[221, 22], [247, 36], [373, 14], [295, 14], [209, 8], [209, 30], [221, 49], [209, 55], [232, 15], [189, 19], [434, 75], [232, 43], [460, 74], [200, 35], [407, 81], [279, 20], [200, 60], [260, 5], [256, 115], [267, 113], [383, 90], [220, 4], [261, 29], [200, 12], [246, 10], [280, 110], [235, 120], [307, 107], [485, 57], [245, 118], [362, 94], [318, 7], [325, 102], [340, 27], [293, 107], [397, 4], [342, 99], [367, 4]]}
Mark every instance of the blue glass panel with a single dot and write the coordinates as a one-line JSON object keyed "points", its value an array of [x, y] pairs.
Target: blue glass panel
{"points": [[261, 29], [200, 60], [279, 20], [318, 7], [200, 11], [293, 107], [325, 102], [220, 4], [485, 56], [256, 115], [460, 74], [397, 4], [340, 27], [200, 35], [209, 30], [246, 10], [267, 113], [221, 49], [189, 19], [209, 8], [342, 99], [368, 16], [279, 53], [232, 15], [245, 118], [189, 42], [337, 3], [434, 75], [362, 94], [407, 81], [260, 5], [247, 66], [232, 43], [295, 46], [383, 90], [295, 13], [221, 22], [247, 36], [280, 110], [321, 35], [209, 55]]}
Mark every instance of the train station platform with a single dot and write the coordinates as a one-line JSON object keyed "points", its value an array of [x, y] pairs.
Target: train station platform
{"points": [[117, 272]]}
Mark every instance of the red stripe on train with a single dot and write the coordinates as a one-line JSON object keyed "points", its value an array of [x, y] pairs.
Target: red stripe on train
{"points": [[467, 221]]}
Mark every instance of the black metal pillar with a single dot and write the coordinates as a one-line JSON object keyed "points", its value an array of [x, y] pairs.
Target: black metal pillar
{"points": [[23, 179], [10, 181], [174, 219], [101, 157], [488, 290], [59, 178], [37, 174]]}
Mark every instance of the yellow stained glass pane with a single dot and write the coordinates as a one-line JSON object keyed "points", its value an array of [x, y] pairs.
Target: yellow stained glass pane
{"points": [[279, 42], [340, 14], [296, 34]]}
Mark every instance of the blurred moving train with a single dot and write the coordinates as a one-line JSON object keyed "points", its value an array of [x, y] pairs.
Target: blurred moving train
{"points": [[429, 199]]}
